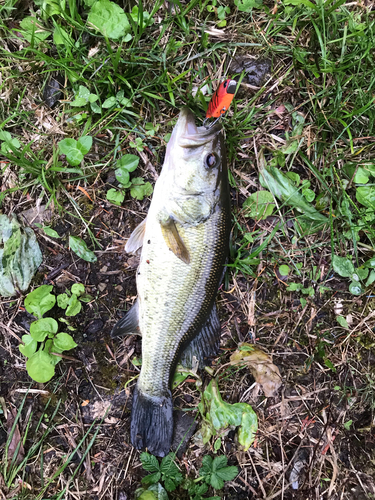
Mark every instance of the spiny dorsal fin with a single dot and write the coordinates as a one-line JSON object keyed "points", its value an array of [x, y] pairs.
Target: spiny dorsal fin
{"points": [[174, 241]]}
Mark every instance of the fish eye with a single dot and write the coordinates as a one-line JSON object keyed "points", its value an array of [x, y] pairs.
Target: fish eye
{"points": [[211, 160]]}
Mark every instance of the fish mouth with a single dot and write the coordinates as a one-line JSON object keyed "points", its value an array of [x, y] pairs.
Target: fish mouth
{"points": [[188, 135]]}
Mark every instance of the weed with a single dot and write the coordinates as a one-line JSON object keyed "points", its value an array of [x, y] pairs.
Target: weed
{"points": [[43, 332], [214, 472]]}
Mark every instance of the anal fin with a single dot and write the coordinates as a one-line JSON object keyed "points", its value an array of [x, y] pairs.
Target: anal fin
{"points": [[206, 344], [129, 323]]}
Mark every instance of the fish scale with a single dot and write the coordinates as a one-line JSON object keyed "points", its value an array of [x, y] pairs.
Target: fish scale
{"points": [[191, 291]]}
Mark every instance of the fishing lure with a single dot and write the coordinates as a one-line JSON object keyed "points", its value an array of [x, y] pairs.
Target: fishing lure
{"points": [[221, 99]]}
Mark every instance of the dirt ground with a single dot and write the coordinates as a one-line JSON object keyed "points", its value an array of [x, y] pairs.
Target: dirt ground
{"points": [[303, 432]]}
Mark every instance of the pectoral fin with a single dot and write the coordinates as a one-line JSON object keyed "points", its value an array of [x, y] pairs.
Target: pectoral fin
{"points": [[174, 241], [135, 242]]}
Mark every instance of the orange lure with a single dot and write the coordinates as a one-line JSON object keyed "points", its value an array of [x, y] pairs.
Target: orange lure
{"points": [[221, 99]]}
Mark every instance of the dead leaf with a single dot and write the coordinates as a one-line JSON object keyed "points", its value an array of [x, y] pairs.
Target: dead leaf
{"points": [[261, 367], [16, 453]]}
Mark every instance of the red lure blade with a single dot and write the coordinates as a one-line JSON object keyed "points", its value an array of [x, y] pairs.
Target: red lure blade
{"points": [[221, 99]]}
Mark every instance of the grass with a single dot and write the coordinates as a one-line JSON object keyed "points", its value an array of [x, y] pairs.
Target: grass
{"points": [[311, 118]]}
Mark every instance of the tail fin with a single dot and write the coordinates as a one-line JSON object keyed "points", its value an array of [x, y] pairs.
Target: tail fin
{"points": [[152, 422]]}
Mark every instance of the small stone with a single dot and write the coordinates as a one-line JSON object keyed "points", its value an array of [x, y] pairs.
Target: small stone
{"points": [[104, 269], [102, 287], [118, 288]]}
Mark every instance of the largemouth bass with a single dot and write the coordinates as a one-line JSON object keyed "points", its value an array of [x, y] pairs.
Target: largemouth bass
{"points": [[184, 242]]}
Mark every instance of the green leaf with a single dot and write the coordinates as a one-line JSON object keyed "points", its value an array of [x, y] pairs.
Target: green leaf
{"points": [[362, 272], [366, 196], [206, 465], [222, 415], [20, 256], [155, 489], [79, 247], [216, 482], [355, 288], [122, 176], [371, 278], [78, 289], [178, 378], [63, 300], [362, 176], [249, 426], [109, 18], [248, 5], [83, 93], [50, 232], [8, 141], [293, 175], [64, 342], [370, 263], [33, 30], [39, 367], [30, 346], [115, 196], [84, 144], [151, 478], [93, 98], [342, 321], [68, 147], [79, 102], [128, 162], [139, 191], [42, 328], [283, 188], [109, 103], [168, 466], [307, 3], [95, 107], [149, 462], [148, 495], [217, 444], [348, 424], [329, 364], [284, 270], [259, 205], [227, 473], [308, 194], [342, 266], [49, 348], [294, 287], [219, 462], [74, 306], [40, 301], [215, 472], [62, 37], [170, 484]]}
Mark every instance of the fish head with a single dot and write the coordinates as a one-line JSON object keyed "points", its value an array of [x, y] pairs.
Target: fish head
{"points": [[195, 158]]}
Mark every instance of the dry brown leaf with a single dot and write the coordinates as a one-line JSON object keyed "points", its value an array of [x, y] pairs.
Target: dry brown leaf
{"points": [[261, 367], [16, 439]]}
